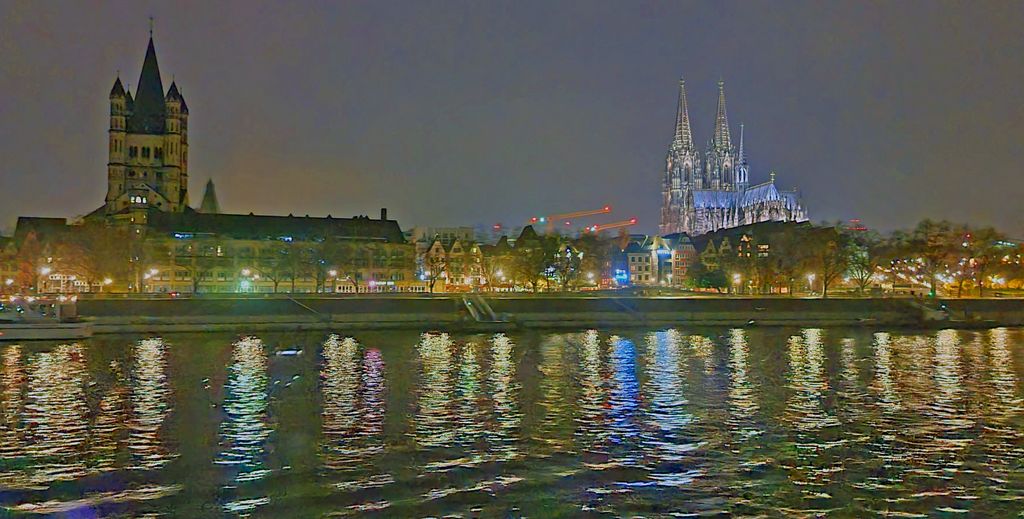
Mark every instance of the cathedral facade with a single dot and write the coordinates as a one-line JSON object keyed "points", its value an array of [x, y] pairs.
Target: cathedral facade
{"points": [[705, 192]]}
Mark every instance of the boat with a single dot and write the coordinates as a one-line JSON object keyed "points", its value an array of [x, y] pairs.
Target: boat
{"points": [[32, 319]]}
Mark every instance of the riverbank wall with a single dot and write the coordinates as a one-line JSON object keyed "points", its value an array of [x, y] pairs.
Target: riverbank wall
{"points": [[452, 312]]}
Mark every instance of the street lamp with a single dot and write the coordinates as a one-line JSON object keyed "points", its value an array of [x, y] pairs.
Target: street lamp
{"points": [[810, 282], [333, 276]]}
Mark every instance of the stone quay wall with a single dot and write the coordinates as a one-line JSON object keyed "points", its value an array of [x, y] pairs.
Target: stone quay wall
{"points": [[449, 312]]}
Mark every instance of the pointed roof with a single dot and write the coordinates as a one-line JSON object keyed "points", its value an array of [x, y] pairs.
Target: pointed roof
{"points": [[721, 139], [683, 139], [148, 114], [528, 234], [172, 93], [209, 204], [118, 89]]}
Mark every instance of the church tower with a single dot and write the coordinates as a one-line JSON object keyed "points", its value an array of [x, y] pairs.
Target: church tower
{"points": [[148, 146], [682, 171], [720, 172]]}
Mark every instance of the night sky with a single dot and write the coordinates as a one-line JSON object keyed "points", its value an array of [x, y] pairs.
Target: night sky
{"points": [[476, 112]]}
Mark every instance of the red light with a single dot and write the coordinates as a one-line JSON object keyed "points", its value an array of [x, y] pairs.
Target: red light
{"points": [[534, 219], [567, 222], [496, 226], [632, 220], [607, 208]]}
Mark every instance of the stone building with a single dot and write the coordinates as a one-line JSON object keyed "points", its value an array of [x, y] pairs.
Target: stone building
{"points": [[147, 164], [170, 247], [704, 192]]}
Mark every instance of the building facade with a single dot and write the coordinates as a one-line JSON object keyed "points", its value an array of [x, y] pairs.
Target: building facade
{"points": [[704, 192], [658, 260]]}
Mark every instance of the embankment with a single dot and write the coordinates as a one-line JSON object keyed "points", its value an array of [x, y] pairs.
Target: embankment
{"points": [[449, 312]]}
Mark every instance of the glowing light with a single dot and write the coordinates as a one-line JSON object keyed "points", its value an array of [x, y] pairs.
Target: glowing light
{"points": [[333, 273], [246, 272], [499, 273], [107, 281], [45, 270], [9, 282]]}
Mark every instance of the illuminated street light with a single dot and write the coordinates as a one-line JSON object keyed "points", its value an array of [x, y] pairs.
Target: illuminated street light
{"points": [[246, 272], [107, 281], [332, 273], [9, 282], [45, 270]]}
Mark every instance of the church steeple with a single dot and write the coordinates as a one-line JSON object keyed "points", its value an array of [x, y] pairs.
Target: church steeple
{"points": [[148, 113], [209, 204], [742, 156], [721, 139], [683, 139]]}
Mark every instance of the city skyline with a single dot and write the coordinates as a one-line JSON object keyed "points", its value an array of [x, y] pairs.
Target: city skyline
{"points": [[471, 134]]}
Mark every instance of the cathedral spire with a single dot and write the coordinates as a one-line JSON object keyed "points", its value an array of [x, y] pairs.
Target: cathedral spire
{"points": [[721, 139], [683, 138], [742, 156]]}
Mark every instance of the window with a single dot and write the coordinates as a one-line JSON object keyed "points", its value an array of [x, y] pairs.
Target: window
{"points": [[158, 153], [145, 152], [133, 151]]}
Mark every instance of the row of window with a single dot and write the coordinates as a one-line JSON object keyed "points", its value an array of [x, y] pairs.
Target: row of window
{"points": [[144, 152], [145, 174]]}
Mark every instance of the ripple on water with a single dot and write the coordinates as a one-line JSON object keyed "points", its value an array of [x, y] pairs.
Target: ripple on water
{"points": [[752, 422]]}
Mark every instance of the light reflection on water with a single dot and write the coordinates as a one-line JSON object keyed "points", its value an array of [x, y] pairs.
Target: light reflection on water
{"points": [[744, 421]]}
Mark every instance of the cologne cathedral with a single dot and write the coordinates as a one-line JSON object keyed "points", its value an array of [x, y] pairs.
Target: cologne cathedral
{"points": [[706, 192]]}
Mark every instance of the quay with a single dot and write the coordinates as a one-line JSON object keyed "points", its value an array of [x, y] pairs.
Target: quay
{"points": [[478, 312]]}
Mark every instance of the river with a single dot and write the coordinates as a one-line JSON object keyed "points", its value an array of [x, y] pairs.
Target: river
{"points": [[665, 423]]}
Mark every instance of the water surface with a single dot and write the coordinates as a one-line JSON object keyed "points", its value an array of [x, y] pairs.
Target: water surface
{"points": [[661, 423]]}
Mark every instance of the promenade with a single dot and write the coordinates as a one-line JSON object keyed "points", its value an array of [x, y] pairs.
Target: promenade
{"points": [[498, 313]]}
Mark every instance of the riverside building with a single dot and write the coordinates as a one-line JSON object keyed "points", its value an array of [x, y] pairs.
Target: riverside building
{"points": [[171, 247]]}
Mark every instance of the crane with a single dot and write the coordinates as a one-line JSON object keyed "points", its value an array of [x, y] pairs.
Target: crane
{"points": [[611, 225], [567, 217]]}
